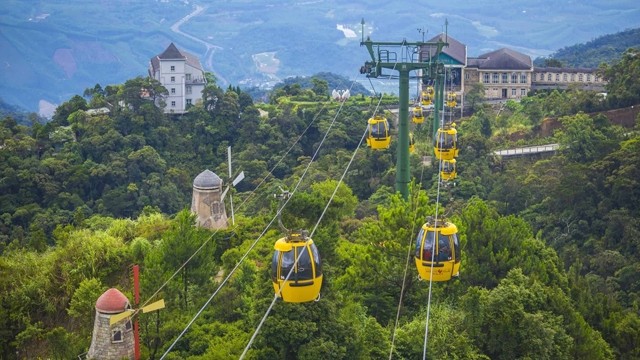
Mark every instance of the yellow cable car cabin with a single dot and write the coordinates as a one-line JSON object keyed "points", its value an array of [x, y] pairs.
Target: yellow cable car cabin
{"points": [[418, 115], [427, 96], [378, 137], [448, 171], [442, 255], [296, 282], [445, 147], [451, 99], [412, 143]]}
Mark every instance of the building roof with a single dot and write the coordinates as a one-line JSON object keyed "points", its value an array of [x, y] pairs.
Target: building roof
{"points": [[207, 180], [456, 50], [112, 302], [501, 59], [173, 53]]}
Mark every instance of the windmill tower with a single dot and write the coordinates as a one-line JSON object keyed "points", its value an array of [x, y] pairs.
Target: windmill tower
{"points": [[207, 202], [111, 342]]}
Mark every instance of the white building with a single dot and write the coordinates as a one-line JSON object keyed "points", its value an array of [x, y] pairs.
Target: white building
{"points": [[182, 75]]}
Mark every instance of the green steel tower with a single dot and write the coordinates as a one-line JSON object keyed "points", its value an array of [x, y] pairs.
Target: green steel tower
{"points": [[405, 57]]}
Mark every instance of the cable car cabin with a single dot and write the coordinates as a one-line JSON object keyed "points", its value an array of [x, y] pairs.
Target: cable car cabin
{"points": [[418, 115], [448, 171], [305, 280], [427, 96], [378, 137], [451, 99], [442, 255], [412, 143], [445, 147]]}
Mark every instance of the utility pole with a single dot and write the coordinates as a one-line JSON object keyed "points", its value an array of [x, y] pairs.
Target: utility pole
{"points": [[405, 57]]}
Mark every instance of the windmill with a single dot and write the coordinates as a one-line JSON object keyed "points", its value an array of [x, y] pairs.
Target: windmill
{"points": [[231, 184], [154, 306]]}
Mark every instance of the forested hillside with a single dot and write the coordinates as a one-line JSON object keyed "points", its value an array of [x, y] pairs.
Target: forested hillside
{"points": [[604, 49], [550, 258]]}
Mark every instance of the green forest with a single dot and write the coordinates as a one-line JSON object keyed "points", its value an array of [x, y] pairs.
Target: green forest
{"points": [[550, 245]]}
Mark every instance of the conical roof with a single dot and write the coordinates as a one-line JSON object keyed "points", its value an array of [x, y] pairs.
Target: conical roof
{"points": [[207, 180], [112, 302]]}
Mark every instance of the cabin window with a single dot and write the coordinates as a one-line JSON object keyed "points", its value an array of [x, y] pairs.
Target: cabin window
{"points": [[288, 258], [304, 270], [456, 247], [274, 265], [316, 259], [444, 248]]}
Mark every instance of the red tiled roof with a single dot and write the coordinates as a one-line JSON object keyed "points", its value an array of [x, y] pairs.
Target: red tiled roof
{"points": [[112, 302]]}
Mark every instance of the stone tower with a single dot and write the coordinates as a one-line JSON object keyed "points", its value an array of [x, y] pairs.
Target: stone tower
{"points": [[207, 202], [111, 342]]}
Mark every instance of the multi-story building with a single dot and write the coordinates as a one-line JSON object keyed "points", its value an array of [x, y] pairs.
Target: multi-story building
{"points": [[182, 75], [505, 74], [562, 78]]}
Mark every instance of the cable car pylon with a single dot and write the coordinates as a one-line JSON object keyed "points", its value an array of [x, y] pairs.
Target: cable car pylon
{"points": [[410, 60]]}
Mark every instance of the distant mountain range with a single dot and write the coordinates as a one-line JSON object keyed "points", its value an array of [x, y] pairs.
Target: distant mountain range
{"points": [[53, 50]]}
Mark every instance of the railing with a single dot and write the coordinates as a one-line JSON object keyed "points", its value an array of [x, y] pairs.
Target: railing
{"points": [[529, 150]]}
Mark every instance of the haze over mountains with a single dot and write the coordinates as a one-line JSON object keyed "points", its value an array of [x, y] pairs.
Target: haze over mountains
{"points": [[52, 50]]}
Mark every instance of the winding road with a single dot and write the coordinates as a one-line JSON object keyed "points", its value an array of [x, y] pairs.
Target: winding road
{"points": [[211, 48]]}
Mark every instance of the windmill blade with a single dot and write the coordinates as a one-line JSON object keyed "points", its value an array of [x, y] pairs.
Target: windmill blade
{"points": [[238, 178], [224, 193], [118, 317], [153, 306]]}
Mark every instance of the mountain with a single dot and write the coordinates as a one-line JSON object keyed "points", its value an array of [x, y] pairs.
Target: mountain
{"points": [[53, 50], [605, 48]]}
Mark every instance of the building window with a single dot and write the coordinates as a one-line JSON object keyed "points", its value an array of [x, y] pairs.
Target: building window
{"points": [[564, 77], [187, 76], [588, 77], [514, 78], [580, 77], [467, 76], [128, 326], [173, 91], [523, 92], [557, 77], [173, 79], [513, 92], [505, 78], [116, 336], [496, 77], [573, 77], [188, 101], [188, 89], [173, 68], [549, 77], [485, 78], [595, 78], [173, 104], [523, 78]]}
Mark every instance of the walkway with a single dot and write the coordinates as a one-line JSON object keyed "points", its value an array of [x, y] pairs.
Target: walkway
{"points": [[529, 150]]}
